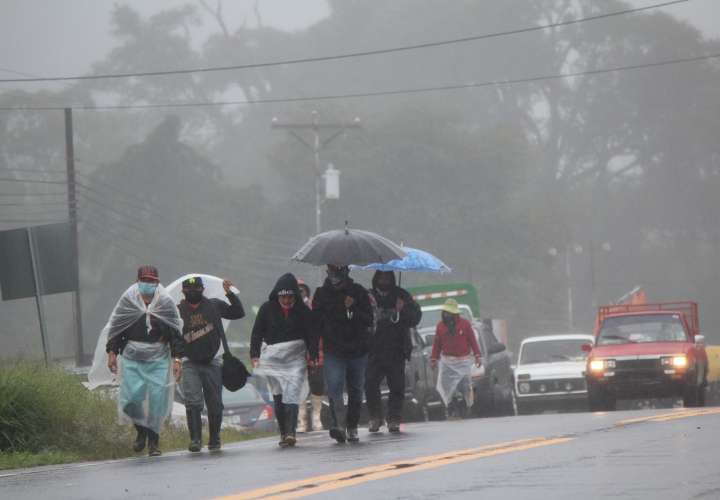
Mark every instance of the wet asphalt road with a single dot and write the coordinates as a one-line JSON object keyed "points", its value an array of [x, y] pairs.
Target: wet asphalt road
{"points": [[659, 454]]}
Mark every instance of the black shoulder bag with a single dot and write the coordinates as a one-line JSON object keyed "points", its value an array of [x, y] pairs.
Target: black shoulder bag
{"points": [[234, 373]]}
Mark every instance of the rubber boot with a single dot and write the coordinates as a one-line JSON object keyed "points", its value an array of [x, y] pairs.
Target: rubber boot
{"points": [[316, 410], [195, 428], [302, 420], [139, 444], [280, 417], [291, 415], [153, 443], [214, 424]]}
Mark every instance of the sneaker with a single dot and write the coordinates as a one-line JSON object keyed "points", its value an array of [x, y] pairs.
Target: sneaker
{"points": [[154, 450], [375, 425], [352, 435], [338, 435], [394, 427], [195, 446], [283, 441]]}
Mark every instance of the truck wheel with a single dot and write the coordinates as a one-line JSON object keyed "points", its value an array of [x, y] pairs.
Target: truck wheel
{"points": [[600, 400]]}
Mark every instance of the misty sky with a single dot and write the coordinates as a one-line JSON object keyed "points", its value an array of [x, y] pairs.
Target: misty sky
{"points": [[51, 37]]}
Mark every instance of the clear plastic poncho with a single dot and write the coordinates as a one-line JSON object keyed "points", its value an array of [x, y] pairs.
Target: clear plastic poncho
{"points": [[284, 367], [144, 369], [455, 371]]}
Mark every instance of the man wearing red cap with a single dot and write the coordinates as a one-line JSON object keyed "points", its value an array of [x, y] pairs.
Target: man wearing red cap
{"points": [[142, 333]]}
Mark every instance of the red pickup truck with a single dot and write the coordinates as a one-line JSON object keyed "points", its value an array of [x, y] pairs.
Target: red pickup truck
{"points": [[646, 351]]}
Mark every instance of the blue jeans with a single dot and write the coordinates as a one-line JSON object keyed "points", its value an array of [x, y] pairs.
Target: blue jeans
{"points": [[338, 372]]}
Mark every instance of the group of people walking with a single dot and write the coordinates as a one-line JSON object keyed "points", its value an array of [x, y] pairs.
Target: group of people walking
{"points": [[344, 339]]}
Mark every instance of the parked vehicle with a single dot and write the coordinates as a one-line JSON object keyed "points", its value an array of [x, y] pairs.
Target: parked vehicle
{"points": [[647, 350], [244, 409], [550, 373]]}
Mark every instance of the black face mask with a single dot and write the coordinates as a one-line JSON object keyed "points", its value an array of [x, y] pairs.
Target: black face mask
{"points": [[336, 278], [193, 296], [449, 320]]}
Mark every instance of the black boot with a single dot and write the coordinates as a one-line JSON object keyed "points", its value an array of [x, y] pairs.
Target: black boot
{"points": [[139, 444], [214, 423], [194, 422], [337, 414], [280, 417], [291, 418], [153, 443]]}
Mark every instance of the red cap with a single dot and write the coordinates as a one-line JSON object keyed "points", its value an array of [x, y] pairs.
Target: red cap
{"points": [[148, 272]]}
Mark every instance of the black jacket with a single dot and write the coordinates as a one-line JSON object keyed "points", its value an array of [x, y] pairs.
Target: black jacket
{"points": [[138, 331], [391, 341], [273, 327], [203, 328], [345, 332]]}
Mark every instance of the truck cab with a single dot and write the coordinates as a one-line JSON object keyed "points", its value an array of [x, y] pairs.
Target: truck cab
{"points": [[646, 351]]}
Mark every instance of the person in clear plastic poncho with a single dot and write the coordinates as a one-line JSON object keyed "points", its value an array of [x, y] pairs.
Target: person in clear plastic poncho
{"points": [[454, 341], [135, 350]]}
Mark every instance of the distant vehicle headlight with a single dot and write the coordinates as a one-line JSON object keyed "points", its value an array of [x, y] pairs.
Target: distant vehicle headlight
{"points": [[524, 387], [543, 388], [568, 386]]}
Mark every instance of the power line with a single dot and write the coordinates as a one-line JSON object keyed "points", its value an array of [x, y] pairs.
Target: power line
{"points": [[34, 171], [31, 181], [22, 195], [490, 83], [403, 48]]}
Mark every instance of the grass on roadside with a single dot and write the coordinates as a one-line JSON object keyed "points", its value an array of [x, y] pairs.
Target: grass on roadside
{"points": [[48, 417]]}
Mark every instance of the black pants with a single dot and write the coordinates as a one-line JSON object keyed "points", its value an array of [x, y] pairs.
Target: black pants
{"points": [[394, 372]]}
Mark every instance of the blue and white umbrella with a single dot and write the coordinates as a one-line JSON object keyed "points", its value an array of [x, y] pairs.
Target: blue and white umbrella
{"points": [[415, 260]]}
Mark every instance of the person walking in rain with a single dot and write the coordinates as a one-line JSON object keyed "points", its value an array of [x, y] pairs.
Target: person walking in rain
{"points": [[284, 324], [315, 377], [454, 341], [397, 313], [202, 366], [143, 335], [346, 319]]}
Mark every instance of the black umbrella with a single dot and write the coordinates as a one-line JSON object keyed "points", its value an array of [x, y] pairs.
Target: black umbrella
{"points": [[343, 247]]}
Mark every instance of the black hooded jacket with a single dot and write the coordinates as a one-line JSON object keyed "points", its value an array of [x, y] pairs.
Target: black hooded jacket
{"points": [[345, 332], [391, 341], [273, 327]]}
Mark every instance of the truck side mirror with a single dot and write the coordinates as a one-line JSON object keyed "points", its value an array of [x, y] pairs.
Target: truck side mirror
{"points": [[700, 339], [586, 347]]}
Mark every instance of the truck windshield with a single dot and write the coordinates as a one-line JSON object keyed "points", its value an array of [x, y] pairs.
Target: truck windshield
{"points": [[552, 351], [642, 329]]}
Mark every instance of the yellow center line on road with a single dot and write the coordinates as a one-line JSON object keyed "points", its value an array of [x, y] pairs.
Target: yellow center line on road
{"points": [[667, 417], [330, 482]]}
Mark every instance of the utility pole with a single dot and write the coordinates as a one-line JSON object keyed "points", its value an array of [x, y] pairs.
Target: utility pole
{"points": [[317, 144], [72, 214]]}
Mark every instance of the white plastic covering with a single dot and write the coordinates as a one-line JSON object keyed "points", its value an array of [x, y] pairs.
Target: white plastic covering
{"points": [[451, 372], [127, 311], [284, 366], [213, 290]]}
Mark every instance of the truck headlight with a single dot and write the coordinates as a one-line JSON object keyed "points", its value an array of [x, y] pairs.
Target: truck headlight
{"points": [[675, 361], [600, 365], [524, 387], [597, 365]]}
